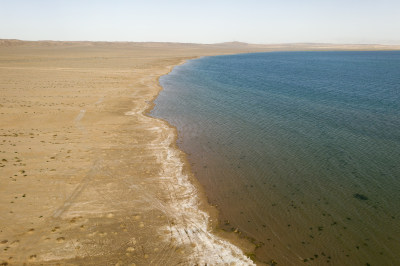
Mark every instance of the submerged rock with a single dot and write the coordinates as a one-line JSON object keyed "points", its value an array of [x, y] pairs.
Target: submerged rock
{"points": [[360, 196]]}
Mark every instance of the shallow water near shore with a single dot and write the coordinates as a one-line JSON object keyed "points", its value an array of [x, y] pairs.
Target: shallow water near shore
{"points": [[299, 150]]}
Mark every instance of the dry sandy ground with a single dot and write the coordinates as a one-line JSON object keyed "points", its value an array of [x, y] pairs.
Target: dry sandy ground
{"points": [[85, 177]]}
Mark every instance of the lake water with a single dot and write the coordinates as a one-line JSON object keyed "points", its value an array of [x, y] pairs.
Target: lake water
{"points": [[300, 151]]}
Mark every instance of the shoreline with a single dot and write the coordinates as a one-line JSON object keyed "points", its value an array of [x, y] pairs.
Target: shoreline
{"points": [[233, 248]]}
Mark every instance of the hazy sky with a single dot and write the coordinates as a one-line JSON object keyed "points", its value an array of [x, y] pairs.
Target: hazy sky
{"points": [[203, 21]]}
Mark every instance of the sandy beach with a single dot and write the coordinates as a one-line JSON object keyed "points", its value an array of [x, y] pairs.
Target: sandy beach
{"points": [[87, 178]]}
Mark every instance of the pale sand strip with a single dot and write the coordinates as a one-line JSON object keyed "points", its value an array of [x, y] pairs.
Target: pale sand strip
{"points": [[188, 224], [86, 177]]}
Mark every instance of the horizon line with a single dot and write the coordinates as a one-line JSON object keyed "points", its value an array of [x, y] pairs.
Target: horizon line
{"points": [[217, 43]]}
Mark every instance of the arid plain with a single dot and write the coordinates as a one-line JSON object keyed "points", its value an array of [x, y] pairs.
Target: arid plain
{"points": [[87, 178]]}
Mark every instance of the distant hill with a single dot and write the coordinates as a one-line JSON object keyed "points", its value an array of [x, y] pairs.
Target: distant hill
{"points": [[10, 42], [232, 44]]}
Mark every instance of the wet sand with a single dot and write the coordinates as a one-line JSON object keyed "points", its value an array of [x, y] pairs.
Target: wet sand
{"points": [[86, 176]]}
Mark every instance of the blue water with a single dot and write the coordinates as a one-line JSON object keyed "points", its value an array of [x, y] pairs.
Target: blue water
{"points": [[299, 150]]}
